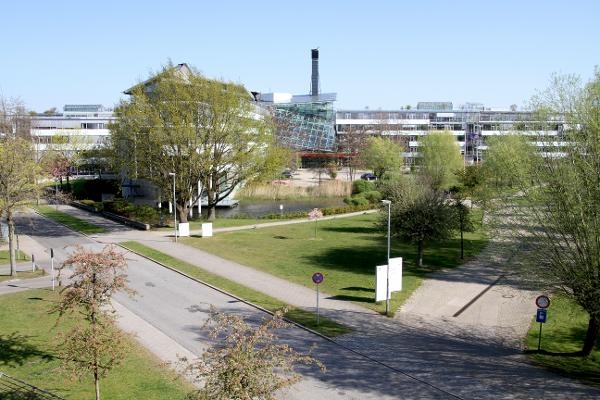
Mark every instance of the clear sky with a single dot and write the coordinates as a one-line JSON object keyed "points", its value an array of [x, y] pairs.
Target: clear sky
{"points": [[376, 54]]}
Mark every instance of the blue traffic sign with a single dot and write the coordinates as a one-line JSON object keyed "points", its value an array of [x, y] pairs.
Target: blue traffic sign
{"points": [[317, 277], [541, 315]]}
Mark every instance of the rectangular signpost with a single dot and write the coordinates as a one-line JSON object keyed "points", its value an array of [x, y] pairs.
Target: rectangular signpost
{"points": [[395, 283]]}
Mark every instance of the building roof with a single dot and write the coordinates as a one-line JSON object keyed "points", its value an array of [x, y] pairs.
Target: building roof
{"points": [[180, 69]]}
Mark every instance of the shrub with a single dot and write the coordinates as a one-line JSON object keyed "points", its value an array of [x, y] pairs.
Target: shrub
{"points": [[359, 200], [373, 196], [361, 186]]}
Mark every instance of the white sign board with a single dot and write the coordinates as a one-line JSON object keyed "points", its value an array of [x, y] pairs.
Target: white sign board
{"points": [[184, 229], [381, 278], [207, 229]]}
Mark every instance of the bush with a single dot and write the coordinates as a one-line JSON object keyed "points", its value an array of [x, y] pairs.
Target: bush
{"points": [[373, 196], [361, 186], [358, 200]]}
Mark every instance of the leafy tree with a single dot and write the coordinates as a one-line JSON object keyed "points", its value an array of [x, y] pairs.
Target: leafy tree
{"points": [[439, 159], [382, 155], [18, 174], [563, 204], [205, 131], [248, 363], [509, 161], [419, 214], [95, 345]]}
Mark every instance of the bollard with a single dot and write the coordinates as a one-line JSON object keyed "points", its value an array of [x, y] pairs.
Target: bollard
{"points": [[33, 263]]}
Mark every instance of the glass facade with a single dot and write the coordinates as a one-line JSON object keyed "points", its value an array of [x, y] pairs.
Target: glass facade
{"points": [[306, 126]]}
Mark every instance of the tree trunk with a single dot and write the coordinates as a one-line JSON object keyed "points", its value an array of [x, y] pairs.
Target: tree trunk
{"points": [[211, 214], [11, 242], [97, 385], [420, 253], [462, 241], [591, 336], [211, 198], [183, 212]]}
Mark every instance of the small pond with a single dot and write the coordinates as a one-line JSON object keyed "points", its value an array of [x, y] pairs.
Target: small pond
{"points": [[257, 208]]}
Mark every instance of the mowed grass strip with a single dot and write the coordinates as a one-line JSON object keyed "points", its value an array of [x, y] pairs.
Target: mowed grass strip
{"points": [[564, 332], [345, 250], [69, 221], [28, 342], [22, 274], [326, 326]]}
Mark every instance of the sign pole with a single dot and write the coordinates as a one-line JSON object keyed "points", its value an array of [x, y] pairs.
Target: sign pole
{"points": [[317, 278], [543, 302], [52, 266], [317, 304]]}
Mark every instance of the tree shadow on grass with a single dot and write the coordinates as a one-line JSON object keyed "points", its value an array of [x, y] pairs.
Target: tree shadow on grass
{"points": [[371, 231], [359, 289], [15, 350], [357, 299]]}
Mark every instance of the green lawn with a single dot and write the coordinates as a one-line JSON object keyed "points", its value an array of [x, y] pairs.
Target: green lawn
{"points": [[27, 342], [5, 261], [325, 327], [22, 275], [564, 332], [5, 256], [69, 221], [346, 251]]}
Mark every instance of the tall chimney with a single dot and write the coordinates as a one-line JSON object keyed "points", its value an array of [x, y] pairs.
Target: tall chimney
{"points": [[314, 81]]}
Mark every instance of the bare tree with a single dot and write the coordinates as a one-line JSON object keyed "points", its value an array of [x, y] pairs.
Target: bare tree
{"points": [[350, 143], [95, 345], [250, 363], [14, 118]]}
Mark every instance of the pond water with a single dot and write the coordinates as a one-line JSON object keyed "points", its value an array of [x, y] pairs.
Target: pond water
{"points": [[257, 208]]}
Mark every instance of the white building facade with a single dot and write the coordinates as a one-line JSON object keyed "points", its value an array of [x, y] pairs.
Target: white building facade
{"points": [[78, 128], [471, 124]]}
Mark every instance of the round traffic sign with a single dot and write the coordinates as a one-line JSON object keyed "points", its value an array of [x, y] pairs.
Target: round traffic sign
{"points": [[542, 301], [317, 277]]}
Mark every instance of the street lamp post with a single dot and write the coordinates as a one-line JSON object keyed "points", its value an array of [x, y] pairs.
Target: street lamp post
{"points": [[174, 204], [387, 284]]}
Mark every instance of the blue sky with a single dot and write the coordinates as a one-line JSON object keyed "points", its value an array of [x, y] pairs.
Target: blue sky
{"points": [[376, 54]]}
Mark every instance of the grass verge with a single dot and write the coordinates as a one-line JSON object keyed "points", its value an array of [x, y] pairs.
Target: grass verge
{"points": [[5, 256], [326, 326], [345, 250], [69, 221], [28, 339], [563, 333], [23, 275]]}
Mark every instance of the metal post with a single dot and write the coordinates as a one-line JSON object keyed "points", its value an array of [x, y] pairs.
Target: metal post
{"points": [[33, 263], [174, 204], [317, 304], [52, 266], [540, 338], [387, 284]]}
